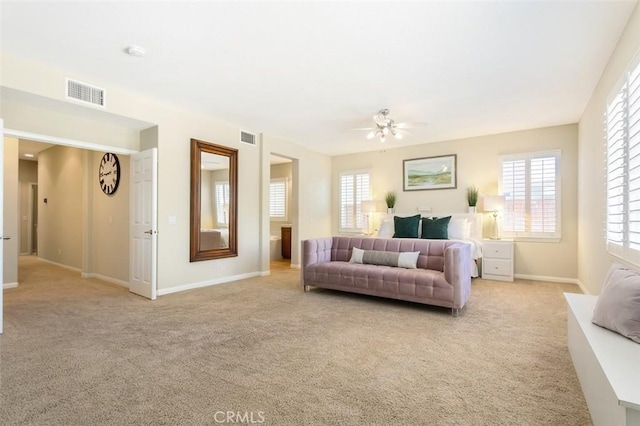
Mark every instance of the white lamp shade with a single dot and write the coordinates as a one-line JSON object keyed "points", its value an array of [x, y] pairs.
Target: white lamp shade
{"points": [[493, 203], [369, 206]]}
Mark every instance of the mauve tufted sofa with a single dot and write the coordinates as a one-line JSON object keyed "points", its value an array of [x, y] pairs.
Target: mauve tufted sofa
{"points": [[441, 278]]}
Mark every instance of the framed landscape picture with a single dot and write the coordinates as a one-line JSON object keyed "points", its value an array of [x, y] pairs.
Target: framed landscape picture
{"points": [[430, 173]]}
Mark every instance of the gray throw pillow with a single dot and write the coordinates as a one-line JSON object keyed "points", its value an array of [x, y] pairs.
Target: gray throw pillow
{"points": [[618, 306], [408, 260]]}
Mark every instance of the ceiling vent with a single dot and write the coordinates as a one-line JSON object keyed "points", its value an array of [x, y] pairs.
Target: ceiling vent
{"points": [[85, 93], [247, 137]]}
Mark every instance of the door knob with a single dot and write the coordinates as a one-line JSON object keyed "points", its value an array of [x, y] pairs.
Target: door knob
{"points": [[6, 238]]}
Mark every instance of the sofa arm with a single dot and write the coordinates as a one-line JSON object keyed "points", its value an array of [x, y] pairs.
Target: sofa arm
{"points": [[314, 251], [457, 258], [317, 250]]}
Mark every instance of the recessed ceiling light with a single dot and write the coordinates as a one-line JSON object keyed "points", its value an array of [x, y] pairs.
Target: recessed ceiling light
{"points": [[29, 155], [135, 50]]}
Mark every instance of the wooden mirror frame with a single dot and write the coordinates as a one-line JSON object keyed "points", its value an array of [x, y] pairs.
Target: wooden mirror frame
{"points": [[199, 147]]}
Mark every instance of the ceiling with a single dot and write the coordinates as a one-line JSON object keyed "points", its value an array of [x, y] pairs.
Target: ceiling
{"points": [[29, 150], [310, 72]]}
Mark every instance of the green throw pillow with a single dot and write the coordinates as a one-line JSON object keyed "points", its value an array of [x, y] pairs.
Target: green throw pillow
{"points": [[406, 227], [435, 228]]}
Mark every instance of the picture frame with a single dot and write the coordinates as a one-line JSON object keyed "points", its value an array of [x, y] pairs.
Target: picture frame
{"points": [[429, 173]]}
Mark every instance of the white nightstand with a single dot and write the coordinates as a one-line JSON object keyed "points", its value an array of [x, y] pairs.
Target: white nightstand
{"points": [[497, 260]]}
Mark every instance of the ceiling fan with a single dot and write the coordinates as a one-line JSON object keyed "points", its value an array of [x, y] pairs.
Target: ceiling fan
{"points": [[386, 126]]}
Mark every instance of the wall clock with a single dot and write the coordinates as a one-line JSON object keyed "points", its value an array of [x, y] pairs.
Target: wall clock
{"points": [[109, 173]]}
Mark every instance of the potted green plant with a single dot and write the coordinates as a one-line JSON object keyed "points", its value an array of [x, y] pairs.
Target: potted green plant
{"points": [[390, 199], [472, 198]]}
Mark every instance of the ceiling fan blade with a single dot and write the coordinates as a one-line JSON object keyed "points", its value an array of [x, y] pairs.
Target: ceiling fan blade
{"points": [[363, 128], [411, 125]]}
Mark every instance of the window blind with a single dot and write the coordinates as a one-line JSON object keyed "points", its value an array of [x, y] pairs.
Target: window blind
{"points": [[278, 199], [222, 202], [354, 189], [622, 134], [531, 187]]}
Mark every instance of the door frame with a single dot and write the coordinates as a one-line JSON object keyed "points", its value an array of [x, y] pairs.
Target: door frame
{"points": [[54, 140], [31, 219], [1, 224]]}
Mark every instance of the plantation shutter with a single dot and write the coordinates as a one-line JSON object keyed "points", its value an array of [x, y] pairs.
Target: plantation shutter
{"points": [[222, 202], [543, 195], [354, 189], [277, 199], [616, 172], [634, 160], [622, 130], [514, 182], [530, 185]]}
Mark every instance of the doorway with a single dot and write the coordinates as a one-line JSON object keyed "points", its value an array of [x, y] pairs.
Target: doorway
{"points": [[283, 211], [33, 219], [92, 215]]}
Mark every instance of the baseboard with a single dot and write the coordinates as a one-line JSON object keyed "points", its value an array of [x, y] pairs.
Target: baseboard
{"points": [[9, 285], [295, 266], [546, 278], [71, 268], [105, 278], [265, 273], [177, 289], [582, 287]]}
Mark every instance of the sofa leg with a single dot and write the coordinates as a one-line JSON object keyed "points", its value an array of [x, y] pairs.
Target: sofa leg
{"points": [[457, 311], [306, 288]]}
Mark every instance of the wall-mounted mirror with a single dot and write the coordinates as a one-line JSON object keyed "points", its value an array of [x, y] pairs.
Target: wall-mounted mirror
{"points": [[214, 197]]}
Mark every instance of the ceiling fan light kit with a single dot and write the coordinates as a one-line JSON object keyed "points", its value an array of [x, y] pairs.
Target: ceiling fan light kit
{"points": [[385, 126]]}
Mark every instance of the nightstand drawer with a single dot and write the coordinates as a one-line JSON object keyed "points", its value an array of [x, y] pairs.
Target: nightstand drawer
{"points": [[495, 250], [497, 267]]}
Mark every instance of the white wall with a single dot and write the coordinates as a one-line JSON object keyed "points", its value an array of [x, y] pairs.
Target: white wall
{"points": [[109, 238], [310, 216], [10, 212], [282, 171], [60, 219], [593, 260], [27, 175], [477, 164], [175, 128]]}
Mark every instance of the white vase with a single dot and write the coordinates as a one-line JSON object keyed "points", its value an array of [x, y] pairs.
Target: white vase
{"points": [[472, 209], [391, 210]]}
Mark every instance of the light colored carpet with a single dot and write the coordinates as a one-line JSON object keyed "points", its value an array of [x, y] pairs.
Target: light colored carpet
{"points": [[78, 352]]}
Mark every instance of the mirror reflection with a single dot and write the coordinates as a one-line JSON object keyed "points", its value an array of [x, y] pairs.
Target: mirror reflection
{"points": [[213, 201]]}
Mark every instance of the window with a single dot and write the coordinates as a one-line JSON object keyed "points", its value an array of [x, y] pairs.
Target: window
{"points": [[530, 183], [222, 203], [354, 189], [622, 134], [278, 199]]}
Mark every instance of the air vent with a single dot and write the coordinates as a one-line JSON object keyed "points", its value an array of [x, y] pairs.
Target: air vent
{"points": [[86, 93], [247, 137]]}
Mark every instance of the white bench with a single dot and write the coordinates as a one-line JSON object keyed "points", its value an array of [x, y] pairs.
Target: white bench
{"points": [[607, 364]]}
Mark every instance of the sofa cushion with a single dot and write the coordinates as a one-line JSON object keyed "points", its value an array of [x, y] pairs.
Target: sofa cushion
{"points": [[406, 260], [618, 306], [435, 228], [381, 281], [406, 227]]}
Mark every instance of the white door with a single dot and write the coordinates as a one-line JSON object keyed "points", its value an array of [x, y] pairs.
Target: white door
{"points": [[144, 223], [1, 221]]}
